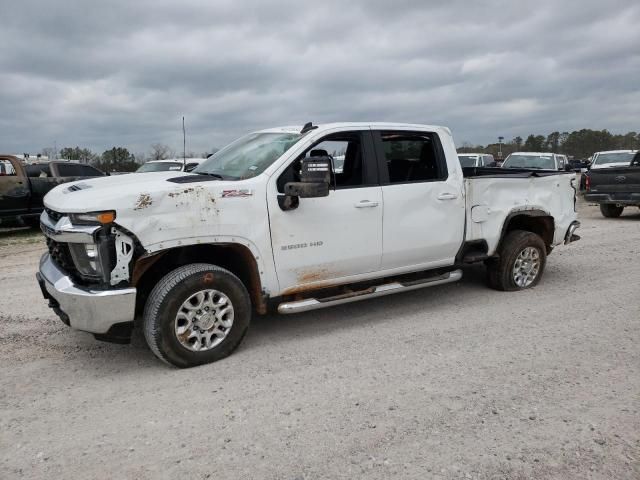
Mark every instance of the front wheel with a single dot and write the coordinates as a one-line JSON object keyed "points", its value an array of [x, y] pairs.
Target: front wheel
{"points": [[610, 210], [521, 261], [196, 314]]}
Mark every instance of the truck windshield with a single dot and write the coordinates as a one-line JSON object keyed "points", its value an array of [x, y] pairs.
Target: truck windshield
{"points": [[160, 167], [468, 160], [529, 161], [248, 156], [619, 157]]}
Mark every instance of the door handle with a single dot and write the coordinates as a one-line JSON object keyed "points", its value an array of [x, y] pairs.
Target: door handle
{"points": [[447, 196], [366, 204]]}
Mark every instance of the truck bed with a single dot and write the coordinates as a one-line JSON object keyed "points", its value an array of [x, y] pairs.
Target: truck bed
{"points": [[495, 194]]}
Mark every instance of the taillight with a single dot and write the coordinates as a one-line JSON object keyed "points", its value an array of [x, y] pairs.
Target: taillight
{"points": [[587, 183]]}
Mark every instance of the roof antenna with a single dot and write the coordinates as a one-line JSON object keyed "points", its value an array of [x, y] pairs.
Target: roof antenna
{"points": [[308, 127], [184, 146]]}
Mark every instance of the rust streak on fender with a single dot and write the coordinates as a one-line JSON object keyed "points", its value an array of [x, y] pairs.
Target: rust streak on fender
{"points": [[142, 265]]}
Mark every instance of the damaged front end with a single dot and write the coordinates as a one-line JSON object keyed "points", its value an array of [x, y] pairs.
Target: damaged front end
{"points": [[85, 275]]}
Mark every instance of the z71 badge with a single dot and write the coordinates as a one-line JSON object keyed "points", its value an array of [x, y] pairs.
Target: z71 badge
{"points": [[237, 193]]}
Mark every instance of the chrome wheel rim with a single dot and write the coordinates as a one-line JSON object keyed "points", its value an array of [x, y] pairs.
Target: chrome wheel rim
{"points": [[526, 267], [204, 320]]}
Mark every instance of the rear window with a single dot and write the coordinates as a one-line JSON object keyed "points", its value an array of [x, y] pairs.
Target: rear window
{"points": [[620, 157], [529, 161], [77, 170], [467, 160], [38, 170]]}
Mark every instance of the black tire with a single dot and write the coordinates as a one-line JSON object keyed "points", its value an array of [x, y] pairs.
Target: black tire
{"points": [[500, 275], [168, 296], [610, 210]]}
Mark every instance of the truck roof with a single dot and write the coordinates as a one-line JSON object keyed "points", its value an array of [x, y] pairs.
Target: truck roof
{"points": [[615, 151], [537, 154], [329, 126]]}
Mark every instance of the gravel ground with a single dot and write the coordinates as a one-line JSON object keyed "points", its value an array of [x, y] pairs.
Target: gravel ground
{"points": [[456, 381]]}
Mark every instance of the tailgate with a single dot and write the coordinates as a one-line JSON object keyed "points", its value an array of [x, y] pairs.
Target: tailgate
{"points": [[615, 180]]}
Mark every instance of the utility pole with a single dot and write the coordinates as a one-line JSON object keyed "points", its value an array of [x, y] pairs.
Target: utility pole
{"points": [[184, 146]]}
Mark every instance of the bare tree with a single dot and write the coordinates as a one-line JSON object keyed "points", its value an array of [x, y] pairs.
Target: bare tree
{"points": [[160, 151], [48, 152]]}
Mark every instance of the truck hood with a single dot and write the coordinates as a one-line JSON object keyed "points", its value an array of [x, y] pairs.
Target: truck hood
{"points": [[120, 192], [162, 214]]}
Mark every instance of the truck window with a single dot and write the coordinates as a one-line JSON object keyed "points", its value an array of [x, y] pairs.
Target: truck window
{"points": [[77, 170], [6, 169], [38, 170], [346, 151], [412, 157]]}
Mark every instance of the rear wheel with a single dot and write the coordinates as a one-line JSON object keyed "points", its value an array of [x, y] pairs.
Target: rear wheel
{"points": [[521, 261], [610, 210], [196, 314]]}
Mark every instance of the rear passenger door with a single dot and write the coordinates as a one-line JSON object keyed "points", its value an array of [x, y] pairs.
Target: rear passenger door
{"points": [[424, 210]]}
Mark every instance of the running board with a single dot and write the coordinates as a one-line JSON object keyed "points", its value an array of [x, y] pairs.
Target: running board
{"points": [[371, 292]]}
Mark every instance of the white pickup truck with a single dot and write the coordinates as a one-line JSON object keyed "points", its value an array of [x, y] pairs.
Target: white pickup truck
{"points": [[266, 224]]}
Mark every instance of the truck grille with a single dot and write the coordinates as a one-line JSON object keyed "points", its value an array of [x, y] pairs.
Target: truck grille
{"points": [[61, 256]]}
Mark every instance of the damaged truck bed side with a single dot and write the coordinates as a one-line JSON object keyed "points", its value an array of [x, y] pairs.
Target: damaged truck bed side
{"points": [[291, 219]]}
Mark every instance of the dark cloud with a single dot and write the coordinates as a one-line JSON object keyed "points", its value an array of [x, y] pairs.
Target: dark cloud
{"points": [[123, 73]]}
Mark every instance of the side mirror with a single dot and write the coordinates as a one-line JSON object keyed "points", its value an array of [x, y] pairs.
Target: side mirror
{"points": [[315, 178]]}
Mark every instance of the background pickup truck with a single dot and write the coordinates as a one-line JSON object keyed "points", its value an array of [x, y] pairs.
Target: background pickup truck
{"points": [[23, 187], [614, 188], [268, 223]]}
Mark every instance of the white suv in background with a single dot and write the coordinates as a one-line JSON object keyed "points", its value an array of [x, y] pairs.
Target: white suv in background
{"points": [[170, 164], [537, 160], [475, 159]]}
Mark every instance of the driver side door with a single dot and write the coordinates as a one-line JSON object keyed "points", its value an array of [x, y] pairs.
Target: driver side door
{"points": [[326, 240]]}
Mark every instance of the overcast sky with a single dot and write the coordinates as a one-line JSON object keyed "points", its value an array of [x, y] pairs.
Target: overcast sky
{"points": [[124, 72]]}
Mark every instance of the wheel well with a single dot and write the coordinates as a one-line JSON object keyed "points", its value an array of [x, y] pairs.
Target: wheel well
{"points": [[236, 258], [534, 221]]}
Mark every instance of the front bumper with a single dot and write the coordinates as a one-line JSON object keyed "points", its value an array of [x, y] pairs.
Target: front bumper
{"points": [[618, 198], [85, 309]]}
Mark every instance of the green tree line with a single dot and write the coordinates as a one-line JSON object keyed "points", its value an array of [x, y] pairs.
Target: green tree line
{"points": [[118, 159], [579, 144]]}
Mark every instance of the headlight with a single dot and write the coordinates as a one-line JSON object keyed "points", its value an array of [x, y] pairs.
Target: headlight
{"points": [[86, 258], [93, 218]]}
